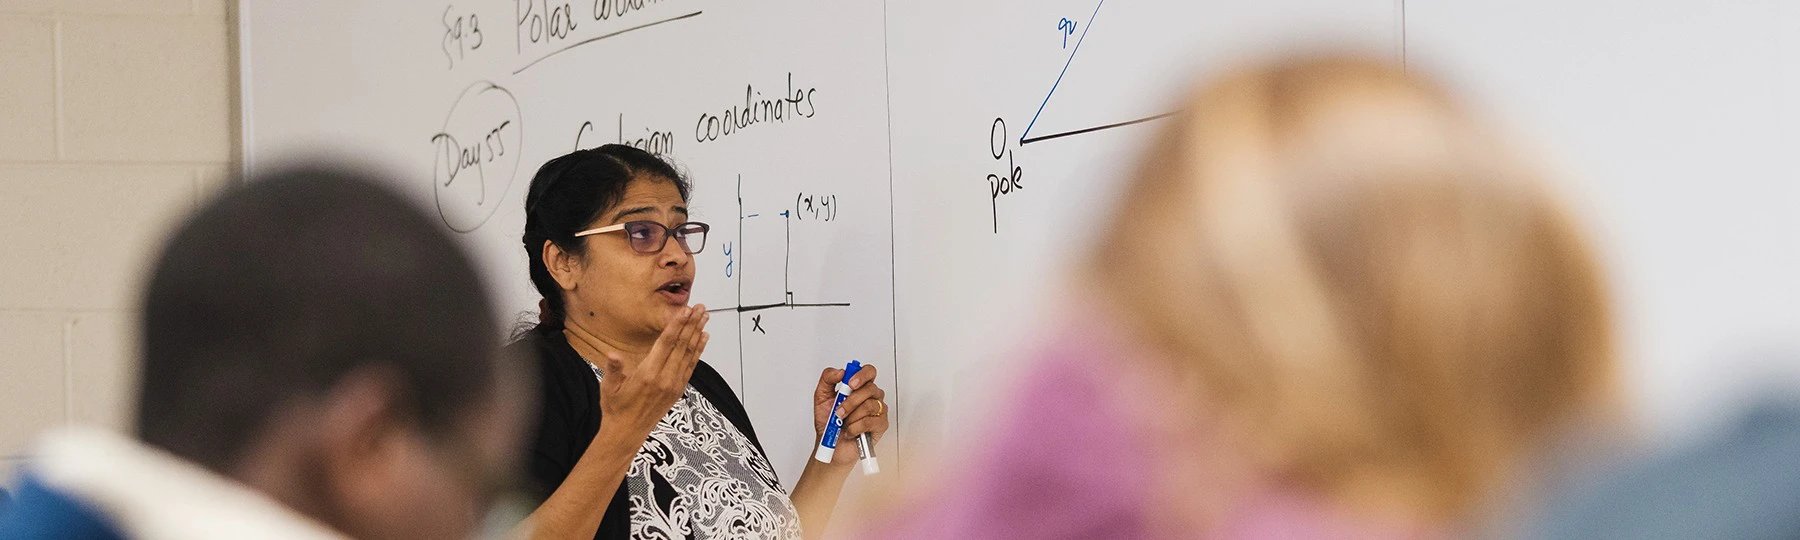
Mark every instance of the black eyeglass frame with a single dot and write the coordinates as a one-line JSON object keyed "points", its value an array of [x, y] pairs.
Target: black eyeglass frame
{"points": [[667, 233]]}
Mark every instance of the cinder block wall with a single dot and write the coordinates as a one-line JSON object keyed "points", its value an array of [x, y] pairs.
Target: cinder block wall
{"points": [[117, 117]]}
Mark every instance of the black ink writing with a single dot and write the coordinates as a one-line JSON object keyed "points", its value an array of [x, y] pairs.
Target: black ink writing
{"points": [[458, 157], [539, 21], [607, 9], [734, 255], [652, 141], [655, 142], [1009, 180], [819, 207], [476, 155], [795, 103], [462, 34], [564, 42]]}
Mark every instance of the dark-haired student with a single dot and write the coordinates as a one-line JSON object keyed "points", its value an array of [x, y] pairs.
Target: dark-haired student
{"points": [[637, 436], [319, 361]]}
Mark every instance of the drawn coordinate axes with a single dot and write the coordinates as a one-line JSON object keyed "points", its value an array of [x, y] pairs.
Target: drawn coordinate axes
{"points": [[1026, 138], [787, 252]]}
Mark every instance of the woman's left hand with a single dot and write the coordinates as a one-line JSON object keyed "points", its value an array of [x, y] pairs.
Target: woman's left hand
{"points": [[863, 412]]}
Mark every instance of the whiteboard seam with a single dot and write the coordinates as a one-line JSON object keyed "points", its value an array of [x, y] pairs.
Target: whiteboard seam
{"points": [[246, 93], [739, 265], [1403, 66], [893, 273]]}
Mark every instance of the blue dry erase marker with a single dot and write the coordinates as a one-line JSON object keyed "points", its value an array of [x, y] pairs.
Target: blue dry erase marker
{"points": [[828, 442]]}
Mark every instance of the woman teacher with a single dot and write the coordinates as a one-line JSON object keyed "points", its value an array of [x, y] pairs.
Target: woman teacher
{"points": [[638, 437]]}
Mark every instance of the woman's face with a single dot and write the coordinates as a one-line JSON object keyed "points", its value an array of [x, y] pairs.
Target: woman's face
{"points": [[619, 290]]}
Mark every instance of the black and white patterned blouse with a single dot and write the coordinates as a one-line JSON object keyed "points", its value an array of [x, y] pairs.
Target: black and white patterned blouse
{"points": [[701, 473]]}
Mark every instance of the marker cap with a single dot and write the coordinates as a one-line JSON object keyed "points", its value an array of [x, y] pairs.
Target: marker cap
{"points": [[866, 449]]}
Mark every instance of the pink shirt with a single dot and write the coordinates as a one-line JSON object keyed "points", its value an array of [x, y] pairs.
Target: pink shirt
{"points": [[1074, 458]]}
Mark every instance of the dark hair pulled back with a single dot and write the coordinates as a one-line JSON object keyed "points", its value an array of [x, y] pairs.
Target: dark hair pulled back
{"points": [[569, 193]]}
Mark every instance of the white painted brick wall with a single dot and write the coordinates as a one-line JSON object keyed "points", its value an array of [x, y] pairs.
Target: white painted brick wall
{"points": [[116, 118]]}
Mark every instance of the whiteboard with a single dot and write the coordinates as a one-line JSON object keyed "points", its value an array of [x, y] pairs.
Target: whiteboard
{"points": [[800, 254], [1675, 125], [1674, 122], [994, 88], [852, 213]]}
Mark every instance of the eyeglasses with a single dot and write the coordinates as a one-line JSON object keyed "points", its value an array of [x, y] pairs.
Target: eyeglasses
{"points": [[651, 237]]}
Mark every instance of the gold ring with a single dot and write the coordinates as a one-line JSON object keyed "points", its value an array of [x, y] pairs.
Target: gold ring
{"points": [[883, 411]]}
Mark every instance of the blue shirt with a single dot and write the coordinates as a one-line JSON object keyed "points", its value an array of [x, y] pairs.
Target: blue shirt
{"points": [[38, 511]]}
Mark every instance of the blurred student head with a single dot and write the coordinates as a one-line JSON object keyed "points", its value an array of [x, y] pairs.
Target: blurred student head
{"points": [[315, 337], [1366, 289]]}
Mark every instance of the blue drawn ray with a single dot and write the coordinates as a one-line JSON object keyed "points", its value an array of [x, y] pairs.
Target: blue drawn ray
{"points": [[1065, 71]]}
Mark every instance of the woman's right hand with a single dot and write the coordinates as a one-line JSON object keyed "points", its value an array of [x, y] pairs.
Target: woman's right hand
{"points": [[637, 398]]}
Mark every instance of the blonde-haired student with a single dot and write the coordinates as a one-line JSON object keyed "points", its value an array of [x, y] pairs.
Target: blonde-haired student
{"points": [[1331, 303]]}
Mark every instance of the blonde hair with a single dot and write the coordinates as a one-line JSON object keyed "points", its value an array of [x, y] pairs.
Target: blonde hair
{"points": [[1361, 281]]}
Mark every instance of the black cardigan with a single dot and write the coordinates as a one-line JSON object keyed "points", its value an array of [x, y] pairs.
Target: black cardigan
{"points": [[569, 417]]}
